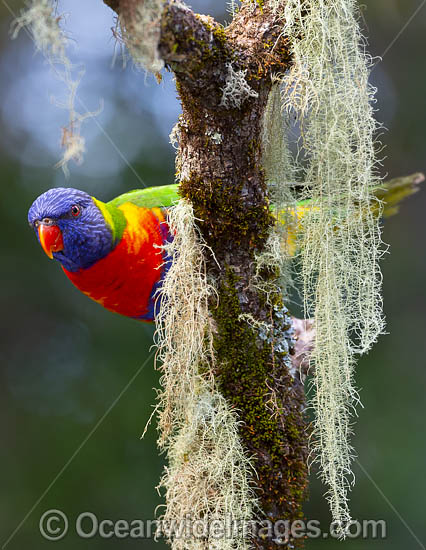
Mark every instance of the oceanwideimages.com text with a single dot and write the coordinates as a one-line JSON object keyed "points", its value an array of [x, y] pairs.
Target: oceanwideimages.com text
{"points": [[55, 525]]}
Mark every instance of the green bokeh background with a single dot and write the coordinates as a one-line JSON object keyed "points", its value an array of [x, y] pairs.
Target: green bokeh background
{"points": [[66, 363]]}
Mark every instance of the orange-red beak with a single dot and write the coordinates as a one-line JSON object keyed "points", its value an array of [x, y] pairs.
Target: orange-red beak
{"points": [[50, 239]]}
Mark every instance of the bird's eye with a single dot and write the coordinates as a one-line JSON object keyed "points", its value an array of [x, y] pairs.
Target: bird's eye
{"points": [[75, 210]]}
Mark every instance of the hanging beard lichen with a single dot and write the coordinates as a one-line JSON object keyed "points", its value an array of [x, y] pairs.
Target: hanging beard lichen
{"points": [[208, 478], [44, 25], [339, 239], [140, 23]]}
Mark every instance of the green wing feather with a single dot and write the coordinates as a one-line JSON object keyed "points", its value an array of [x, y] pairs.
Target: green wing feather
{"points": [[151, 197]]}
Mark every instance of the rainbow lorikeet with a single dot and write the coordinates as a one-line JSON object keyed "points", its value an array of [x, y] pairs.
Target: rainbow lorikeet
{"points": [[112, 251], [109, 251]]}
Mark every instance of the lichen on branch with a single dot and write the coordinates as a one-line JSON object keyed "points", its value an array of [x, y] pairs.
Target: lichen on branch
{"points": [[140, 23], [209, 477]]}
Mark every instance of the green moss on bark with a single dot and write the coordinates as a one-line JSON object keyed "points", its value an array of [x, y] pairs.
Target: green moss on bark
{"points": [[248, 371]]}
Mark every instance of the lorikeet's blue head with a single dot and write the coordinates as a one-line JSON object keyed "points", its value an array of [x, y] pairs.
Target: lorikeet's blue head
{"points": [[70, 227]]}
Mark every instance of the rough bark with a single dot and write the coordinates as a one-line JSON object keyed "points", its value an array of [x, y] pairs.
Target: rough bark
{"points": [[219, 166]]}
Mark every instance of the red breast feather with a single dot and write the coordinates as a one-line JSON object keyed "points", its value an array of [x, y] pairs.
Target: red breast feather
{"points": [[124, 280]]}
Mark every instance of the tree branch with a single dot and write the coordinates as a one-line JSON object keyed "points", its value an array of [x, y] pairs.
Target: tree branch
{"points": [[224, 76], [195, 44]]}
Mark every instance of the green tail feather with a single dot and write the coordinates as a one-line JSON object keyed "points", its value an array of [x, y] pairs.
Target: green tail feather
{"points": [[392, 193]]}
